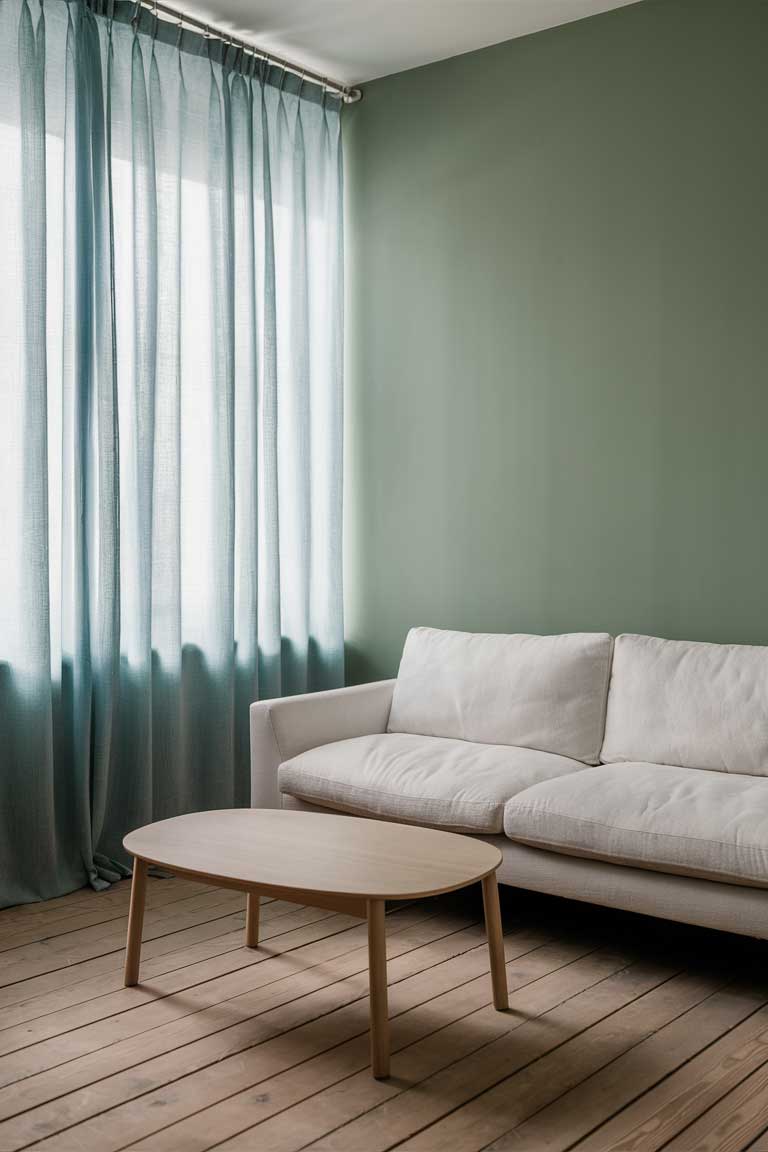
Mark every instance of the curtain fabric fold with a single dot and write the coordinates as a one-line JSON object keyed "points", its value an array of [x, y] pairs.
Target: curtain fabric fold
{"points": [[170, 424]]}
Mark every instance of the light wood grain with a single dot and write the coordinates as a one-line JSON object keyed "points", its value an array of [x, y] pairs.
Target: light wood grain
{"points": [[281, 1025], [422, 1108], [500, 1113], [706, 1074], [297, 1104], [87, 901], [313, 852], [252, 920], [377, 978], [732, 1123], [135, 922], [90, 939], [67, 920], [202, 934], [154, 1005], [182, 971], [62, 954], [336, 862], [495, 942], [636, 1072], [661, 1042]]}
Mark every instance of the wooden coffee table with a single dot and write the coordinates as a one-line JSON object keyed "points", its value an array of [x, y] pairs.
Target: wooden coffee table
{"points": [[342, 863]]}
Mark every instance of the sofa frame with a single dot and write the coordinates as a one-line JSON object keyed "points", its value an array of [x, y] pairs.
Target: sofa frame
{"points": [[284, 728]]}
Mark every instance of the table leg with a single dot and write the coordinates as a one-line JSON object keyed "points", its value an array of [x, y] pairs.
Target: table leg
{"points": [[495, 942], [377, 975], [252, 920], [135, 922]]}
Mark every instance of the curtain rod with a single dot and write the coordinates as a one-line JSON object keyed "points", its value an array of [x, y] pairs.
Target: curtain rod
{"points": [[347, 94]]}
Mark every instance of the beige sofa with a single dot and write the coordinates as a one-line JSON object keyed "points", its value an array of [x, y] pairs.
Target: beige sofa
{"points": [[629, 772]]}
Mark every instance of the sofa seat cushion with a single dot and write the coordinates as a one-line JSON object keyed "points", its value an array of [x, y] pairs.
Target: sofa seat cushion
{"points": [[428, 780], [670, 819], [543, 692]]}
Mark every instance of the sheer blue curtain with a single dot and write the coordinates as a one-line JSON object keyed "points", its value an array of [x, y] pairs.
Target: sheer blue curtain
{"points": [[170, 424]]}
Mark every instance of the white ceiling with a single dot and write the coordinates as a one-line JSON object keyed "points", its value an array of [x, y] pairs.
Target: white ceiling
{"points": [[357, 40]]}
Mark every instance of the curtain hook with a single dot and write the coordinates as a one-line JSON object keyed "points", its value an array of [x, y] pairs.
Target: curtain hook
{"points": [[136, 15], [302, 78]]}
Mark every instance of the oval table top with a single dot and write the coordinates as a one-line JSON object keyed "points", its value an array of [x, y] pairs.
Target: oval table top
{"points": [[315, 852]]}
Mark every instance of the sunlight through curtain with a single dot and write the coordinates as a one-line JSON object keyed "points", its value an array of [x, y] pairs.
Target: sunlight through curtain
{"points": [[170, 424]]}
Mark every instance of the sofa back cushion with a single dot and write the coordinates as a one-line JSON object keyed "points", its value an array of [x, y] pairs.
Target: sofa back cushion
{"points": [[688, 704], [544, 692]]}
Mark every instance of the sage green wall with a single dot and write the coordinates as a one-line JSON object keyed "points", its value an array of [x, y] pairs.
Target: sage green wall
{"points": [[557, 335]]}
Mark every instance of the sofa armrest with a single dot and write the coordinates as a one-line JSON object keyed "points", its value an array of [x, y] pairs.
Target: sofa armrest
{"points": [[284, 728]]}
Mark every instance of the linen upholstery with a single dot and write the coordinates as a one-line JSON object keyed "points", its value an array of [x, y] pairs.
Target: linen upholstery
{"points": [[282, 729], [638, 835], [651, 816], [725, 907], [543, 692], [690, 704], [443, 783], [690, 899]]}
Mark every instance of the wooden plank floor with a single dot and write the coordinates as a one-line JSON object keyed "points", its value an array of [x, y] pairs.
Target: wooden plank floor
{"points": [[623, 1034]]}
